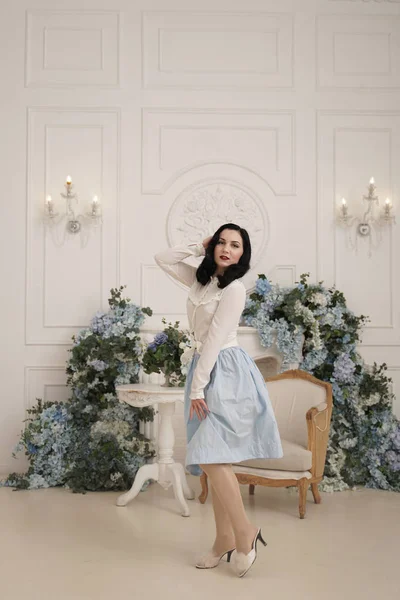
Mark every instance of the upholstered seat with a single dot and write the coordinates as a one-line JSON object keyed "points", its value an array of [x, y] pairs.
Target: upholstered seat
{"points": [[295, 458], [303, 409]]}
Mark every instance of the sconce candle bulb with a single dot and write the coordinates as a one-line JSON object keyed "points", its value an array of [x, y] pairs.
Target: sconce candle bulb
{"points": [[95, 205], [344, 208]]}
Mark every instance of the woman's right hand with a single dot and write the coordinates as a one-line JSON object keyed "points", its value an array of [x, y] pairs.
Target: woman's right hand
{"points": [[207, 241], [198, 406]]}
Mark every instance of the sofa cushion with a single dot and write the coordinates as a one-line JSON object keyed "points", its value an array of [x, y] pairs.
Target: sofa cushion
{"points": [[295, 458]]}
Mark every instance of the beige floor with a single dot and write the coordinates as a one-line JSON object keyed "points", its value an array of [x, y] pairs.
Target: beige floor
{"points": [[56, 545]]}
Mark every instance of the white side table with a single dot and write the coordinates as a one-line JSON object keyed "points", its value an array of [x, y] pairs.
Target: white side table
{"points": [[166, 471]]}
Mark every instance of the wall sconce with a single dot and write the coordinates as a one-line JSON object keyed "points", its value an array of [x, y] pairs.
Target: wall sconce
{"points": [[372, 222], [75, 223]]}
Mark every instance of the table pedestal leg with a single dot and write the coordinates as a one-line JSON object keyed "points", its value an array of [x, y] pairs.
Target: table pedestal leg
{"points": [[181, 488], [144, 474], [166, 471], [171, 471], [180, 470]]}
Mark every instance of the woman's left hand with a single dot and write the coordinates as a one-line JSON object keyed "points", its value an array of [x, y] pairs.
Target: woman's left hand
{"points": [[200, 407]]}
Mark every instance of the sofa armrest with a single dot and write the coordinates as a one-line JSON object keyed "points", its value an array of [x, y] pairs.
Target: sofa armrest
{"points": [[318, 425]]}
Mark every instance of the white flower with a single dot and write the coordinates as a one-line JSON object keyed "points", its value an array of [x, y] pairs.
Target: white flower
{"points": [[319, 299], [304, 312], [373, 399], [116, 428]]}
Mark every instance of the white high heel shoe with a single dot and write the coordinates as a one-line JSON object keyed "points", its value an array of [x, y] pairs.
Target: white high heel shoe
{"points": [[209, 561], [241, 562]]}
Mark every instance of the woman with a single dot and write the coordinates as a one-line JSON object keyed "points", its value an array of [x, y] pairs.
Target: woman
{"points": [[228, 413]]}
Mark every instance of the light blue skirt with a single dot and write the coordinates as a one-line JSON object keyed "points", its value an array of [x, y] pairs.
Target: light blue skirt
{"points": [[241, 423]]}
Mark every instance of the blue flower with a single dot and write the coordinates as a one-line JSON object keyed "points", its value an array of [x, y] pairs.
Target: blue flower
{"points": [[344, 368], [314, 359], [31, 448], [263, 286], [160, 338], [394, 460], [98, 365], [396, 437]]}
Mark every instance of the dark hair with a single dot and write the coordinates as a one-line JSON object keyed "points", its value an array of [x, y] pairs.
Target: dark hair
{"points": [[208, 267]]}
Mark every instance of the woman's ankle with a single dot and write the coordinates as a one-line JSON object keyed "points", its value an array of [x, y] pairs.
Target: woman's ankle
{"points": [[223, 543], [245, 538]]}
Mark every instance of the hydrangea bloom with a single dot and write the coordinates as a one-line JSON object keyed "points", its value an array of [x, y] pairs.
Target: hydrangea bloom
{"points": [[160, 338], [343, 368], [263, 287]]}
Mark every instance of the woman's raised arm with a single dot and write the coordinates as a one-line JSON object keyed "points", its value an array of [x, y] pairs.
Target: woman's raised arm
{"points": [[171, 261]]}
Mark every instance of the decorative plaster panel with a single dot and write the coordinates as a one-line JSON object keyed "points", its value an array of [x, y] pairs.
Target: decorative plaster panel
{"points": [[72, 48], [177, 141], [47, 383], [352, 147], [358, 51], [67, 283], [193, 50]]}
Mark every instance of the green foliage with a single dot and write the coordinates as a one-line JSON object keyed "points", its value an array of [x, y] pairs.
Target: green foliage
{"points": [[163, 354]]}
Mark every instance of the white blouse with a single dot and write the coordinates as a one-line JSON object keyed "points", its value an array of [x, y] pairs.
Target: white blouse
{"points": [[213, 313]]}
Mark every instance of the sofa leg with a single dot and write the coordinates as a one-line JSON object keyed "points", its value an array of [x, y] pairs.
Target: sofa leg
{"points": [[303, 487], [315, 492], [204, 488], [251, 489]]}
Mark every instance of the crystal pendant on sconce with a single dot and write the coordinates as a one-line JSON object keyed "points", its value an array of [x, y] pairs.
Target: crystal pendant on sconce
{"points": [[74, 226], [364, 229]]}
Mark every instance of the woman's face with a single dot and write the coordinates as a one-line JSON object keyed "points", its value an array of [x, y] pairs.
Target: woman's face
{"points": [[228, 250]]}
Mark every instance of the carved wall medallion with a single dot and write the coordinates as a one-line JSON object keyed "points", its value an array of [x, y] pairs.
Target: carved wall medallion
{"points": [[203, 207]]}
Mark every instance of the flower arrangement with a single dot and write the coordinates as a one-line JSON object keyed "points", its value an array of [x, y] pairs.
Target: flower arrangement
{"points": [[91, 442], [364, 444], [164, 353]]}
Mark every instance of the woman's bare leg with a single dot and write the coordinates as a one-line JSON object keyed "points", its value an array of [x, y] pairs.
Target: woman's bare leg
{"points": [[225, 538], [226, 486]]}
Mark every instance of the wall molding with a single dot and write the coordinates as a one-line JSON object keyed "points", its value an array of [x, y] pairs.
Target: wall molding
{"points": [[113, 209], [291, 269], [154, 77], [353, 129], [368, 81], [28, 370], [29, 80], [161, 189], [385, 335]]}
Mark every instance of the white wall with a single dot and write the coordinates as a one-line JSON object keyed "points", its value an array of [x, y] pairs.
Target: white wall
{"points": [[280, 108]]}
